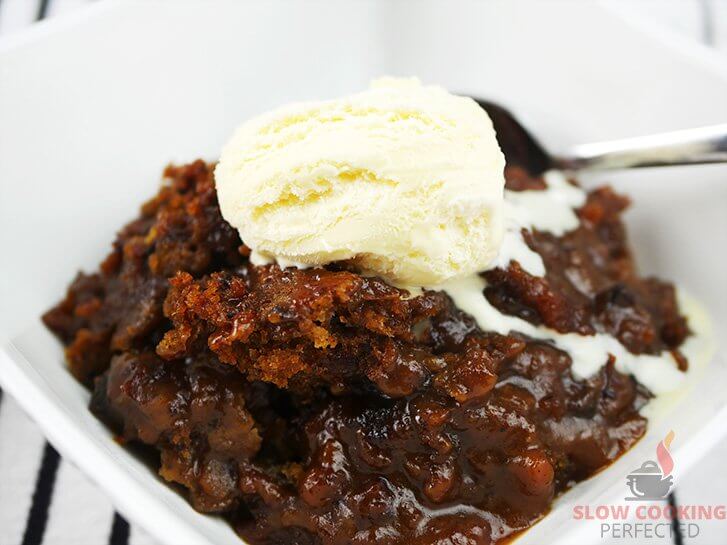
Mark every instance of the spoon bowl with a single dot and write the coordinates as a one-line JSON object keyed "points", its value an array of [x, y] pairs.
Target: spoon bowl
{"points": [[703, 145]]}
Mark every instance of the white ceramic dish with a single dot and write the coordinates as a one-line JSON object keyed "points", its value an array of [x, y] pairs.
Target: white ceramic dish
{"points": [[93, 107]]}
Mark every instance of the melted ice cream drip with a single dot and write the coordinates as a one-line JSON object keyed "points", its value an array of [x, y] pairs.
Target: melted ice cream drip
{"points": [[548, 210], [589, 352], [552, 210]]}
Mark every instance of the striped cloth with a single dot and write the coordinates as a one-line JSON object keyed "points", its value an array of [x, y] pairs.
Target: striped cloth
{"points": [[46, 500]]}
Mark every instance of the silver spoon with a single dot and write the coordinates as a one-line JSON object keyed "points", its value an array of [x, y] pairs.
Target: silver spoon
{"points": [[699, 146], [703, 145]]}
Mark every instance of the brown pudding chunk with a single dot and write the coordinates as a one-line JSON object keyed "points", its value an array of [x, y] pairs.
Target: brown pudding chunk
{"points": [[321, 407]]}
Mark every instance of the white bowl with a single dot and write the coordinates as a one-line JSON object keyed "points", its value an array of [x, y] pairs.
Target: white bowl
{"points": [[93, 106]]}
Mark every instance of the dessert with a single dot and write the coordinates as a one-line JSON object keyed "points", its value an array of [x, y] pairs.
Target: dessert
{"points": [[404, 179], [308, 395]]}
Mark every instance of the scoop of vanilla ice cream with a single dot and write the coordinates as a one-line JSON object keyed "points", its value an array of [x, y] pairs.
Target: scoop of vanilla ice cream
{"points": [[404, 179]]}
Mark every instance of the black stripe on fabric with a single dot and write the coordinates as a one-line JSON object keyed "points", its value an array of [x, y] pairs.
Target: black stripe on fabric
{"points": [[676, 530], [42, 496], [707, 13], [42, 10], [119, 531]]}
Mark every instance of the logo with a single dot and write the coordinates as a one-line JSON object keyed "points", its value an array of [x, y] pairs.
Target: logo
{"points": [[651, 519], [653, 480]]}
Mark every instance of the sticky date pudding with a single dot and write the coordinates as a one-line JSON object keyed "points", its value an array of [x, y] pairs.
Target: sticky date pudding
{"points": [[322, 406]]}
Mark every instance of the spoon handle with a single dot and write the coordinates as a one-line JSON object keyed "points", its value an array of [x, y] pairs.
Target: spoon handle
{"points": [[687, 147]]}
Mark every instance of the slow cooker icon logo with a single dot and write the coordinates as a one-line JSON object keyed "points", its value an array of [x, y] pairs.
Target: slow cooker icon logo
{"points": [[653, 480]]}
